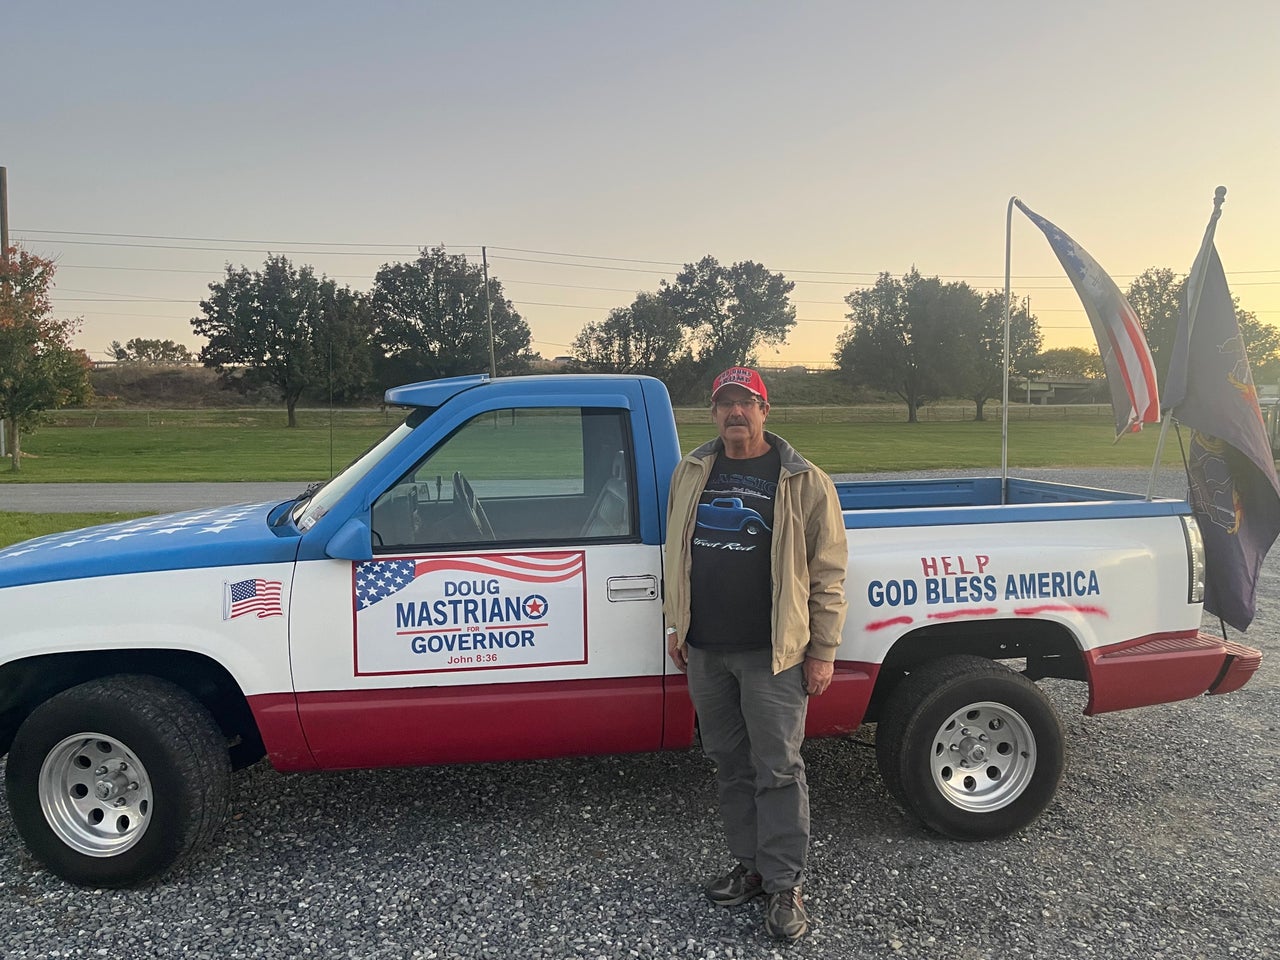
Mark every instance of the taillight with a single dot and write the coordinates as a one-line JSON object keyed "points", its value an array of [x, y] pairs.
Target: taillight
{"points": [[1195, 559]]}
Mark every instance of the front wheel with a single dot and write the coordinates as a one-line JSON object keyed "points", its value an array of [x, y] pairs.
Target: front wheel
{"points": [[113, 781], [971, 747]]}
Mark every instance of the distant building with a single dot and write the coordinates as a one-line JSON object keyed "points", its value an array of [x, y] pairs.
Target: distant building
{"points": [[1057, 390]]}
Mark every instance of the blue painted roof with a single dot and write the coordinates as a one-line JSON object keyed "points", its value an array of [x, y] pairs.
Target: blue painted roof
{"points": [[432, 393]]}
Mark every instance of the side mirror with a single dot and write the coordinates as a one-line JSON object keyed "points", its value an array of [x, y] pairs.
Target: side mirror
{"points": [[351, 542]]}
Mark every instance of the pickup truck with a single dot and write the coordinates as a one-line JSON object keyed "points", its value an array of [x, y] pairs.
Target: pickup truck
{"points": [[485, 583]]}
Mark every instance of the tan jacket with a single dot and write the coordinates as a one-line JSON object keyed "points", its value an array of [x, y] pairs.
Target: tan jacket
{"points": [[808, 558]]}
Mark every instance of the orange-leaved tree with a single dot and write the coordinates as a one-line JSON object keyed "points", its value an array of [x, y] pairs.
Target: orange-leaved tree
{"points": [[39, 369]]}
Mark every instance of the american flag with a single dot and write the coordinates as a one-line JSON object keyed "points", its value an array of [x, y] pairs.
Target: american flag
{"points": [[261, 597], [378, 579], [1131, 373]]}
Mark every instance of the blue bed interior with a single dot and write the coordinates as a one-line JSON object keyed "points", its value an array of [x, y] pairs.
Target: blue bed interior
{"points": [[873, 503]]}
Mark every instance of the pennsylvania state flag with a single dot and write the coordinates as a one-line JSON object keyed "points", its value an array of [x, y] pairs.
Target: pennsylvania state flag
{"points": [[1234, 491]]}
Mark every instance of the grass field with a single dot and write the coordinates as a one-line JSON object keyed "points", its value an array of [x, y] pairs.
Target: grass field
{"points": [[233, 445], [24, 526]]}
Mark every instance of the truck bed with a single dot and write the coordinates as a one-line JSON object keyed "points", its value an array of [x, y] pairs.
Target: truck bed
{"points": [[961, 500]]}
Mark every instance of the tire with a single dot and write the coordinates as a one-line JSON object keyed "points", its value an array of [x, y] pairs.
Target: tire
{"points": [[972, 748], [112, 782]]}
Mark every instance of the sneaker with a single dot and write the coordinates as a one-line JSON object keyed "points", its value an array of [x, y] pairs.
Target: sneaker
{"points": [[737, 886], [785, 917]]}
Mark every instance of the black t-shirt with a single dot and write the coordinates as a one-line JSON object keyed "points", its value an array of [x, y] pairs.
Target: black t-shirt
{"points": [[731, 595]]}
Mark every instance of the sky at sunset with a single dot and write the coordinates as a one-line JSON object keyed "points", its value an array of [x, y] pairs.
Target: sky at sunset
{"points": [[595, 147]]}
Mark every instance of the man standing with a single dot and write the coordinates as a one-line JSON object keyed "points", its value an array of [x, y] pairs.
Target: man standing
{"points": [[754, 604]]}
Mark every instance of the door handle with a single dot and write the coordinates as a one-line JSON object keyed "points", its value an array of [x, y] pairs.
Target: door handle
{"points": [[633, 588]]}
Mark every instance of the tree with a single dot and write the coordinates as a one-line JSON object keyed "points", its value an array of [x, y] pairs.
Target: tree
{"points": [[1157, 296], [981, 375], [729, 311], [39, 369], [430, 320], [142, 350], [344, 343], [285, 327], [1071, 362], [645, 337], [905, 336], [1261, 345]]}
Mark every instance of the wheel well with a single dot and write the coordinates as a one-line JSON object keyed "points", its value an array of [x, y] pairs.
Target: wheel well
{"points": [[27, 683], [1049, 649]]}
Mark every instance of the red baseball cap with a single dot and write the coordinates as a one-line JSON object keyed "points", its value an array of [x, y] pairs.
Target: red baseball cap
{"points": [[743, 377]]}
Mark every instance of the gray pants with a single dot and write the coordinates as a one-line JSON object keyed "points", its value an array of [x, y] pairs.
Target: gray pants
{"points": [[752, 726]]}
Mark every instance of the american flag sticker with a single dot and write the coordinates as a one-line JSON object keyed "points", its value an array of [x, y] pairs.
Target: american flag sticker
{"points": [[259, 597]]}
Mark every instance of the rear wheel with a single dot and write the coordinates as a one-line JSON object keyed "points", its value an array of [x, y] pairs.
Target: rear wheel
{"points": [[971, 747], [113, 781]]}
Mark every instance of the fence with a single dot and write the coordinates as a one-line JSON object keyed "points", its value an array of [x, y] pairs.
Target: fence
{"points": [[897, 413], [779, 414]]}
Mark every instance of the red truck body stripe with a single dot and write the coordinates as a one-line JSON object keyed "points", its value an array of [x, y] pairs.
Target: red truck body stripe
{"points": [[281, 731], [406, 726], [838, 711], [402, 726], [841, 708], [1162, 668], [477, 723]]}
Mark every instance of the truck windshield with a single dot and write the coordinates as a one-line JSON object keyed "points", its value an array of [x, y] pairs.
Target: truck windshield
{"points": [[310, 509]]}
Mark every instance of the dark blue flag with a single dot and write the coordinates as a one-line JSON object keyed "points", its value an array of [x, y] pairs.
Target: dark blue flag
{"points": [[1234, 491]]}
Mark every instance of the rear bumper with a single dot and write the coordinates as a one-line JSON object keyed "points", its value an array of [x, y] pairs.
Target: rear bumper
{"points": [[1166, 667], [1242, 663]]}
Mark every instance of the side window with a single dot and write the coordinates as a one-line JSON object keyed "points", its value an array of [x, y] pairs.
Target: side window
{"points": [[527, 475]]}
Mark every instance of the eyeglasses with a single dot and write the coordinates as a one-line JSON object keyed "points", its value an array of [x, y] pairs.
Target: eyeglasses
{"points": [[726, 406]]}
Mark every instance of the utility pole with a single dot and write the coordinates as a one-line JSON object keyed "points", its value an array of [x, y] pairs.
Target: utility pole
{"points": [[4, 262], [488, 306], [4, 214], [1028, 313]]}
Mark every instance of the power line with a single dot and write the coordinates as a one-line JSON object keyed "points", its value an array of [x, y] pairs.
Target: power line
{"points": [[164, 246], [541, 253], [132, 296], [291, 243]]}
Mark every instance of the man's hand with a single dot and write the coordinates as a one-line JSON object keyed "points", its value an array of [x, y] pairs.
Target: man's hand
{"points": [[677, 653], [817, 675]]}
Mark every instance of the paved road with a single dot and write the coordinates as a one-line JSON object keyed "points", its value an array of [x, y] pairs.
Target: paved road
{"points": [[137, 497]]}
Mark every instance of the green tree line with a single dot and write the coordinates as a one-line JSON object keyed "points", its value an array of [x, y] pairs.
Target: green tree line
{"points": [[286, 328], [916, 337]]}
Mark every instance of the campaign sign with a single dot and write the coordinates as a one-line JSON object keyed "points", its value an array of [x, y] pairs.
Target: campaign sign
{"points": [[479, 612]]}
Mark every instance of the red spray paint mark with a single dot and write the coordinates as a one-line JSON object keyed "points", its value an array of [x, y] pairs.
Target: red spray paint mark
{"points": [[881, 624], [966, 612], [1059, 608]]}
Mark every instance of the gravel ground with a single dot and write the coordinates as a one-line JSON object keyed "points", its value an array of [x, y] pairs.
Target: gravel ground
{"points": [[1163, 842]]}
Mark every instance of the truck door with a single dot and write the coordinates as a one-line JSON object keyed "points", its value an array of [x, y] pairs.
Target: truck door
{"points": [[510, 609]]}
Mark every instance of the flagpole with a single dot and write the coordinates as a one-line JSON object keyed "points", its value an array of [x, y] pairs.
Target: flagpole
{"points": [[1004, 406], [1195, 285]]}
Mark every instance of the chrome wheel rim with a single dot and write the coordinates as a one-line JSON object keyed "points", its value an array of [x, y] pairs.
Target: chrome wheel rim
{"points": [[983, 757], [95, 794]]}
